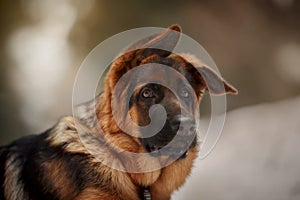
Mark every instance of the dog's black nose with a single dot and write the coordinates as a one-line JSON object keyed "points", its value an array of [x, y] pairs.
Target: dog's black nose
{"points": [[183, 124]]}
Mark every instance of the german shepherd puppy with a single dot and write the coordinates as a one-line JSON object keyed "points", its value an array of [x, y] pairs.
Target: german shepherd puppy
{"points": [[58, 165]]}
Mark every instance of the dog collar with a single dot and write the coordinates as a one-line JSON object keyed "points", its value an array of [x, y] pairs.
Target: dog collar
{"points": [[146, 195]]}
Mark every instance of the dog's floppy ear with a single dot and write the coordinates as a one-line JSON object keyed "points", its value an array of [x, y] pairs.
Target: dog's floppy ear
{"points": [[214, 83], [160, 44], [207, 77]]}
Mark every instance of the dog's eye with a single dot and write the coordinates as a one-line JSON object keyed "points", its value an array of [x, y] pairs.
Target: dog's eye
{"points": [[184, 93], [147, 93]]}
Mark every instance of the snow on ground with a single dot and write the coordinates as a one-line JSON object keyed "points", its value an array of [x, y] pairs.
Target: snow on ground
{"points": [[256, 158]]}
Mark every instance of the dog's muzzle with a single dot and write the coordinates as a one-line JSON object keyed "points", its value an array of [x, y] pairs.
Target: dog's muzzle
{"points": [[186, 126], [184, 130]]}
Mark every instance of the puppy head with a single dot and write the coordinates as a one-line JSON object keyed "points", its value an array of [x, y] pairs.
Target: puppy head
{"points": [[177, 87]]}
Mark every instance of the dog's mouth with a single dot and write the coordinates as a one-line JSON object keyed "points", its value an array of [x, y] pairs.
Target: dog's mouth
{"points": [[175, 140], [174, 153], [178, 151]]}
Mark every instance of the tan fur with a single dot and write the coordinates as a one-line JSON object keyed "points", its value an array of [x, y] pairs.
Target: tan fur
{"points": [[59, 178], [173, 176], [116, 179], [95, 194], [13, 188]]}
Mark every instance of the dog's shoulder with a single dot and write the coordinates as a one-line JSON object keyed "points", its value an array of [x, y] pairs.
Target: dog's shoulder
{"points": [[53, 165], [14, 159]]}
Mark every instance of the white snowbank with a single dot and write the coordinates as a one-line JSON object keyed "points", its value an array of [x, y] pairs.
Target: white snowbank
{"points": [[257, 157]]}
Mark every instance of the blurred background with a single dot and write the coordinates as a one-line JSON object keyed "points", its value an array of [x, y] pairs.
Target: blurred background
{"points": [[255, 44]]}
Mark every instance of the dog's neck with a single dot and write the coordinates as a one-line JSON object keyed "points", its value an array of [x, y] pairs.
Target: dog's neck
{"points": [[151, 185], [145, 193]]}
